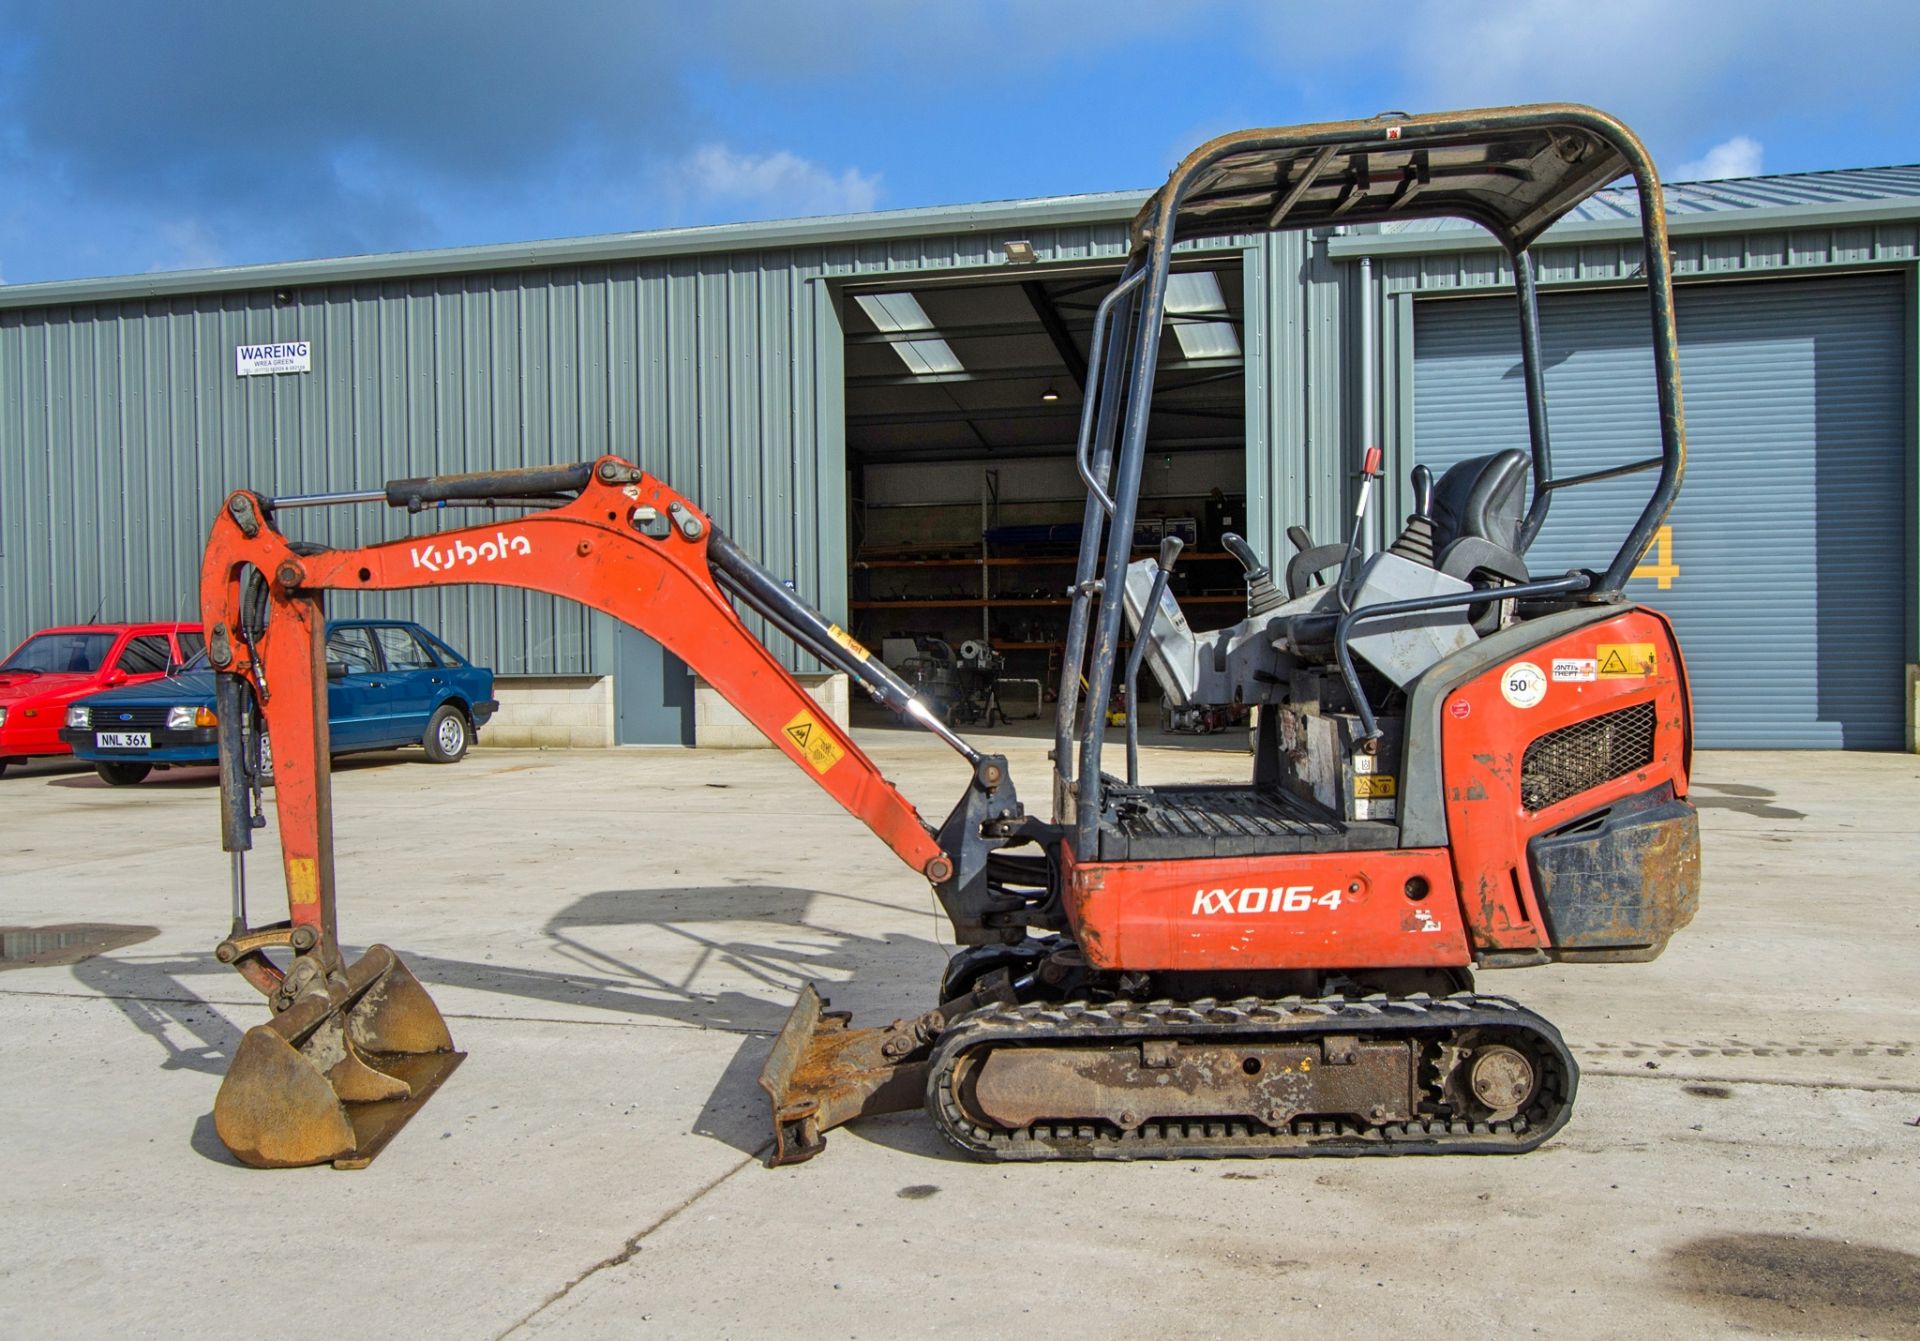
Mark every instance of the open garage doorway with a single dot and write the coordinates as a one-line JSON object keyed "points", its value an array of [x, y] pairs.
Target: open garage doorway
{"points": [[963, 399]]}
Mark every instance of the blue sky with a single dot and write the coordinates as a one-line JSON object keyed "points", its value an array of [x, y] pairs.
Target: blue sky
{"points": [[141, 135]]}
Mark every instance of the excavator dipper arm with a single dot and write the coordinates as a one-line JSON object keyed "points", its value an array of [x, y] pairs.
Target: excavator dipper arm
{"points": [[611, 537]]}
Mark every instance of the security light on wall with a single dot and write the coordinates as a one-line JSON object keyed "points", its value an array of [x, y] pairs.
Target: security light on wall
{"points": [[1019, 253]]}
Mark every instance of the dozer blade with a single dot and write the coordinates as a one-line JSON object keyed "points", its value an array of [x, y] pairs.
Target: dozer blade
{"points": [[822, 1073], [334, 1080]]}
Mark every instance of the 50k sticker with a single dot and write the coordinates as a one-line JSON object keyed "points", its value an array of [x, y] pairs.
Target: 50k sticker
{"points": [[1255, 899], [1522, 684]]}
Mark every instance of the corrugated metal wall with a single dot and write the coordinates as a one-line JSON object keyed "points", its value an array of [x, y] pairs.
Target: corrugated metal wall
{"points": [[1782, 566], [1302, 408], [123, 424], [1403, 280]]}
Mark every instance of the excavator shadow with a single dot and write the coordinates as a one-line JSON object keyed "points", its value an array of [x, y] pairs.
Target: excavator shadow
{"points": [[755, 944], [152, 995]]}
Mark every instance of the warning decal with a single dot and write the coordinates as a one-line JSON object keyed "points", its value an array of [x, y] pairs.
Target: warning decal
{"points": [[816, 745], [848, 641], [303, 880], [1373, 786], [1626, 661]]}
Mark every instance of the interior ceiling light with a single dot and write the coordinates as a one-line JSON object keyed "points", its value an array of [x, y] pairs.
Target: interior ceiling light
{"points": [[899, 313], [1196, 293], [1049, 393]]}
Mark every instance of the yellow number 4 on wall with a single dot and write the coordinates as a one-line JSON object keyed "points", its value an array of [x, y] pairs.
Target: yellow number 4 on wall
{"points": [[1665, 569]]}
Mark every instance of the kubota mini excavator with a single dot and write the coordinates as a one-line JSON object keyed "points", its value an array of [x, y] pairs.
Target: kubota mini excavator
{"points": [[1460, 763]]}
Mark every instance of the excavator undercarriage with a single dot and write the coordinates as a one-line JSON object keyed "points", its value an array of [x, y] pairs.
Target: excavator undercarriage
{"points": [[1459, 765]]}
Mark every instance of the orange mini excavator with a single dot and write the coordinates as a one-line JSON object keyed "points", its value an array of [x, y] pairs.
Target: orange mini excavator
{"points": [[1460, 763]]}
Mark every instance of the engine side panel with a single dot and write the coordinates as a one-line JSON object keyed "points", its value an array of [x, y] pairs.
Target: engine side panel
{"points": [[1327, 910], [1545, 743]]}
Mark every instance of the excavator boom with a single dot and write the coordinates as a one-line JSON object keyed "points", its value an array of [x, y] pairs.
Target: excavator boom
{"points": [[605, 534]]}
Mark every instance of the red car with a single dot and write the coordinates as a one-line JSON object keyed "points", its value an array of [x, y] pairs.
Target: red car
{"points": [[56, 666]]}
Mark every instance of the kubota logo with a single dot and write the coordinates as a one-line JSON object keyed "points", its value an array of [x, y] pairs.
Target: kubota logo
{"points": [[1256, 899], [439, 558]]}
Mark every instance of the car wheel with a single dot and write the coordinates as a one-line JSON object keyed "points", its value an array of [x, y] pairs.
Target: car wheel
{"points": [[447, 735], [3, 766], [122, 775]]}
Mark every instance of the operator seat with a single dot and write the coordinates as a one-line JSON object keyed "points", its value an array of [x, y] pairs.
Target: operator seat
{"points": [[1479, 506], [1482, 496], [1470, 527]]}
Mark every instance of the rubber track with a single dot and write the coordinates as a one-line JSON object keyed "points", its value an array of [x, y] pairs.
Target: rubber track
{"points": [[1253, 1020]]}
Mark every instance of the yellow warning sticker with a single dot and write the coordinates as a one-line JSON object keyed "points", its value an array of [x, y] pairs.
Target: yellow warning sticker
{"points": [[1373, 786], [303, 880], [848, 641], [1626, 661], [815, 743]]}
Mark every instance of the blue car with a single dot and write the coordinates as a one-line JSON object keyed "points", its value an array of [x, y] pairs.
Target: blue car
{"points": [[390, 683]]}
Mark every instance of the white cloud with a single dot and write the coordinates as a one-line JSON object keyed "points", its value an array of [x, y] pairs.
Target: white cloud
{"points": [[1737, 157], [715, 180], [188, 244], [1678, 73]]}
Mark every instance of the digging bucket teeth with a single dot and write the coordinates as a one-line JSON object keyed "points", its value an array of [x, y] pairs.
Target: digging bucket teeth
{"points": [[334, 1076], [823, 1073]]}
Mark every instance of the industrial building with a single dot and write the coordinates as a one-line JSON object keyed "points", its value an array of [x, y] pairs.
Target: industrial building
{"points": [[883, 406]]}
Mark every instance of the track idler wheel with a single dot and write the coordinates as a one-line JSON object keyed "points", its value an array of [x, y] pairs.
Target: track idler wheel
{"points": [[334, 1076], [1492, 1076]]}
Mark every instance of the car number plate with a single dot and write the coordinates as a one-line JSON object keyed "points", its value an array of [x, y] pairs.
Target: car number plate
{"points": [[123, 740]]}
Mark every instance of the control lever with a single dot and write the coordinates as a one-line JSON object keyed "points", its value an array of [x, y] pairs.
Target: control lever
{"points": [[1370, 470], [1241, 550], [1262, 595], [1415, 542], [1422, 492], [1169, 554]]}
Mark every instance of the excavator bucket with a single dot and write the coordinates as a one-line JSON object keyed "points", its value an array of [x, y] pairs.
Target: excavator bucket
{"points": [[335, 1076], [823, 1073]]}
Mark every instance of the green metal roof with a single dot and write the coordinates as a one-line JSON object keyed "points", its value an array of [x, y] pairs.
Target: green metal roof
{"points": [[1004, 216], [1791, 200], [1838, 198]]}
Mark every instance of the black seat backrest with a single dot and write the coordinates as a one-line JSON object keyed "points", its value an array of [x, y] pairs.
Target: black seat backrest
{"points": [[1484, 497]]}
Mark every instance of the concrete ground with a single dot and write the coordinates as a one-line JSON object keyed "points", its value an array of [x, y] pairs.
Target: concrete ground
{"points": [[615, 935]]}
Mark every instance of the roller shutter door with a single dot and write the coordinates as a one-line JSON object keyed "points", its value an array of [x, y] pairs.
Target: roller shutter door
{"points": [[1786, 565]]}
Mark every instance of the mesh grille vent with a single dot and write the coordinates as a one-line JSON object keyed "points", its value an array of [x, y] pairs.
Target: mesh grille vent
{"points": [[1575, 758]]}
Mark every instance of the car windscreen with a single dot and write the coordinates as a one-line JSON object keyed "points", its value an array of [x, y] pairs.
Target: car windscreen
{"points": [[61, 653]]}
